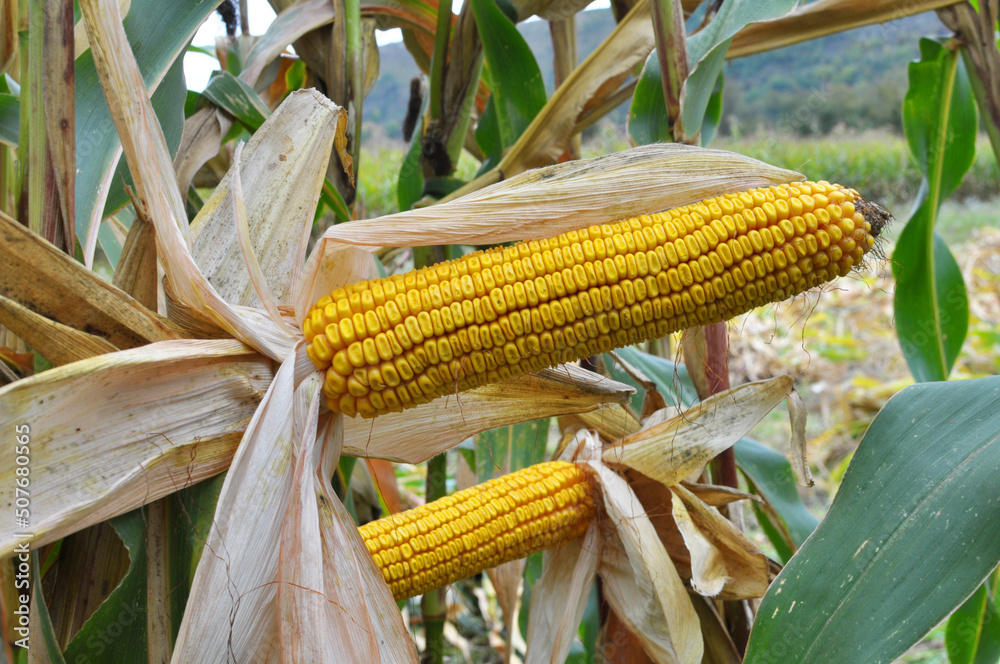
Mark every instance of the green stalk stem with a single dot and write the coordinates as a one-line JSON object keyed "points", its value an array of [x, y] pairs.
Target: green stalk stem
{"points": [[671, 51]]}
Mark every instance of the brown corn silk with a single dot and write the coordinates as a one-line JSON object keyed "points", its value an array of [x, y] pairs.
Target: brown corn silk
{"points": [[394, 343], [501, 520]]}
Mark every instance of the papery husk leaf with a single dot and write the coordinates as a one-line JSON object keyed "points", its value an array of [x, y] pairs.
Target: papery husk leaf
{"points": [[281, 172], [823, 17], [232, 607], [289, 25], [257, 279], [57, 343], [543, 203], [714, 495], [200, 141], [559, 598], [49, 282], [613, 422], [420, 433], [797, 417], [300, 582], [318, 574], [640, 581], [745, 571], [394, 643], [708, 573], [671, 451], [373, 620], [150, 164], [117, 431]]}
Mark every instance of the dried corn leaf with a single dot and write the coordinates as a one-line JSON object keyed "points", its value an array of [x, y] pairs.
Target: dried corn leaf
{"points": [[317, 575], [613, 422], [117, 431], [49, 282], [733, 562], [293, 22], [640, 581], [351, 577], [549, 134], [708, 573], [824, 17], [204, 130], [671, 451], [540, 204], [420, 433], [714, 495], [153, 173], [559, 598], [58, 343], [232, 608]]}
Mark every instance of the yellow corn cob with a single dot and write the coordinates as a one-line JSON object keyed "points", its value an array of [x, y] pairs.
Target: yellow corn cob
{"points": [[397, 342], [460, 535]]}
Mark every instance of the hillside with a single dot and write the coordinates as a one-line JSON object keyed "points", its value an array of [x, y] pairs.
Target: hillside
{"points": [[864, 71]]}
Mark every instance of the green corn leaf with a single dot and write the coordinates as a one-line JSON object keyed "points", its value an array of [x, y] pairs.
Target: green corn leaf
{"points": [[931, 303], [10, 119], [514, 74], [237, 98], [911, 534], [707, 52], [116, 632], [973, 632]]}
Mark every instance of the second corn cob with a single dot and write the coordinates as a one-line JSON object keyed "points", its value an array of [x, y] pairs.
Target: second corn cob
{"points": [[501, 520], [397, 342]]}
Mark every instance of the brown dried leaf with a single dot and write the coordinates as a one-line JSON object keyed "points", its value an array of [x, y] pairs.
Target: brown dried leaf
{"points": [[49, 282]]}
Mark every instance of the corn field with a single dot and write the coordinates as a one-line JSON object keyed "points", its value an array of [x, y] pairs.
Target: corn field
{"points": [[240, 422]]}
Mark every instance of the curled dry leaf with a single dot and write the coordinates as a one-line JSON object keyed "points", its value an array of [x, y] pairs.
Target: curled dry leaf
{"points": [[640, 581], [232, 608], [671, 451], [744, 571], [559, 598], [52, 284], [116, 431], [708, 572], [419, 434]]}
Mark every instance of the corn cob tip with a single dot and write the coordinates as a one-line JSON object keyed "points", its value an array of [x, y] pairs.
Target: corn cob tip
{"points": [[397, 342], [874, 214]]}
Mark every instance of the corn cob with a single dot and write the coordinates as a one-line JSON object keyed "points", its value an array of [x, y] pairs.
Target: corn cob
{"points": [[460, 535], [392, 343]]}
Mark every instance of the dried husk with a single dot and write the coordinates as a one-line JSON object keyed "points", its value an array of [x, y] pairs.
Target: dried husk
{"points": [[117, 431], [640, 581], [232, 607], [671, 451], [420, 433], [559, 597]]}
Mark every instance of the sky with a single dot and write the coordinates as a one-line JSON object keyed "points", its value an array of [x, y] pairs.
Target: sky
{"points": [[198, 67]]}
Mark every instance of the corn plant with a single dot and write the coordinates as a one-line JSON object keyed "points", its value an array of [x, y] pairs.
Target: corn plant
{"points": [[201, 340]]}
